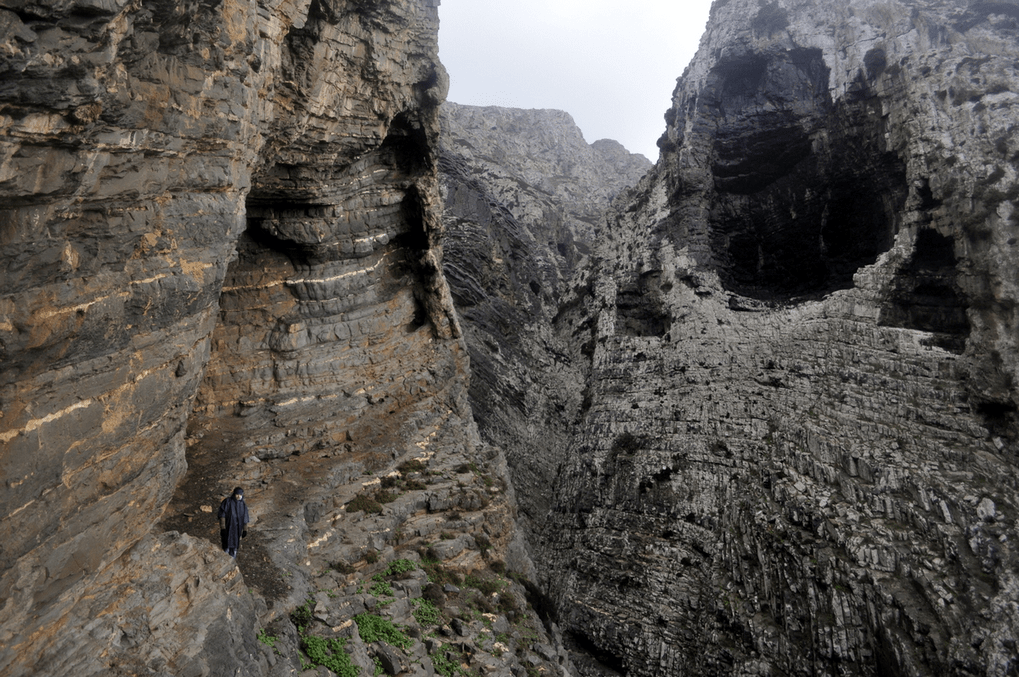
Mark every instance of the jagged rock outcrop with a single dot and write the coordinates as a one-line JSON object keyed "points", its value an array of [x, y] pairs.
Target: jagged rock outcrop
{"points": [[798, 450], [522, 191], [537, 164], [218, 216]]}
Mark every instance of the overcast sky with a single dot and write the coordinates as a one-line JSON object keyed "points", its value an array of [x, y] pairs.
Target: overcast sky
{"points": [[612, 65]]}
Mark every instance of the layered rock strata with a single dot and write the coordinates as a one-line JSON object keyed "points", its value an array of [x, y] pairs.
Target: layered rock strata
{"points": [[238, 194], [522, 191], [799, 454]]}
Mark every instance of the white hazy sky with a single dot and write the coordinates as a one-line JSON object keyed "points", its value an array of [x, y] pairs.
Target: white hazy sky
{"points": [[611, 64]]}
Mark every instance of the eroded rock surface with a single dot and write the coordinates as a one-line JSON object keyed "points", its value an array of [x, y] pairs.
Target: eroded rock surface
{"points": [[799, 455], [522, 192], [233, 204], [764, 422]]}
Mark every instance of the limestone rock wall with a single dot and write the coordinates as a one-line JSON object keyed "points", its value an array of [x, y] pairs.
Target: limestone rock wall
{"points": [[339, 266], [153, 157], [538, 164], [522, 191], [799, 455]]}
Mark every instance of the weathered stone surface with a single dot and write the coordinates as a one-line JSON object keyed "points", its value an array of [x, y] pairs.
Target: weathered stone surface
{"points": [[537, 165], [765, 422], [522, 191], [339, 267], [802, 400], [171, 605], [137, 143], [365, 562]]}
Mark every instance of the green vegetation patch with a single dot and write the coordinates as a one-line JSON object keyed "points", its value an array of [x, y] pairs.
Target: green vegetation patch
{"points": [[381, 589], [374, 628], [425, 612], [448, 663], [269, 640], [399, 566], [330, 653]]}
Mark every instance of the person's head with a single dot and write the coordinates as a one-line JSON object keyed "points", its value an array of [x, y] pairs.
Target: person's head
{"points": [[238, 494]]}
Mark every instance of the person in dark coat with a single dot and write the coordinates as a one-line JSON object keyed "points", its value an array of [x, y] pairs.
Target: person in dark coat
{"points": [[233, 521]]}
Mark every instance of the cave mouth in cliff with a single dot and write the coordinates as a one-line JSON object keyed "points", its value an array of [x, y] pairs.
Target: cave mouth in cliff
{"points": [[640, 310], [806, 193], [925, 294], [606, 661]]}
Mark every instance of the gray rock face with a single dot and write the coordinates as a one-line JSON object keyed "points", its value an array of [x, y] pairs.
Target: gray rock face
{"points": [[169, 606], [765, 423], [801, 400], [537, 164], [522, 191]]}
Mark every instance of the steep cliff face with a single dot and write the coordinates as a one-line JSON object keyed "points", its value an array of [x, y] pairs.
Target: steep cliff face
{"points": [[339, 266], [234, 202], [800, 451], [522, 191], [538, 165], [769, 427]]}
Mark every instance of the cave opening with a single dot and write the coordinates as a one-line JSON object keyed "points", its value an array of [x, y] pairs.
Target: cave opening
{"points": [[805, 193], [640, 310], [925, 294], [998, 417], [608, 662]]}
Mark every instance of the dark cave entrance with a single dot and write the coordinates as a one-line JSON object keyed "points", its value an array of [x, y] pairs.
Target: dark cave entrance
{"points": [[592, 655], [806, 192], [925, 294], [640, 309]]}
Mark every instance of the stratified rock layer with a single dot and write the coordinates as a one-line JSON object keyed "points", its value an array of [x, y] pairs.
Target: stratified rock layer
{"points": [[137, 143], [522, 192], [800, 451]]}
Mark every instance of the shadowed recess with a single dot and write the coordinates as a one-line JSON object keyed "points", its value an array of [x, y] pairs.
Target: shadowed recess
{"points": [[806, 191]]}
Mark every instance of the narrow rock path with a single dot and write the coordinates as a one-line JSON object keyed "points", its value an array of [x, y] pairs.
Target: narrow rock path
{"points": [[404, 560]]}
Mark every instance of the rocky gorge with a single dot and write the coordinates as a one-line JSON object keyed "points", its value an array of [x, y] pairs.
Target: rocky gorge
{"points": [[756, 416], [783, 417]]}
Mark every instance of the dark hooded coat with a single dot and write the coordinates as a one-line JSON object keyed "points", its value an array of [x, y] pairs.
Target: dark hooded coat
{"points": [[236, 515]]}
